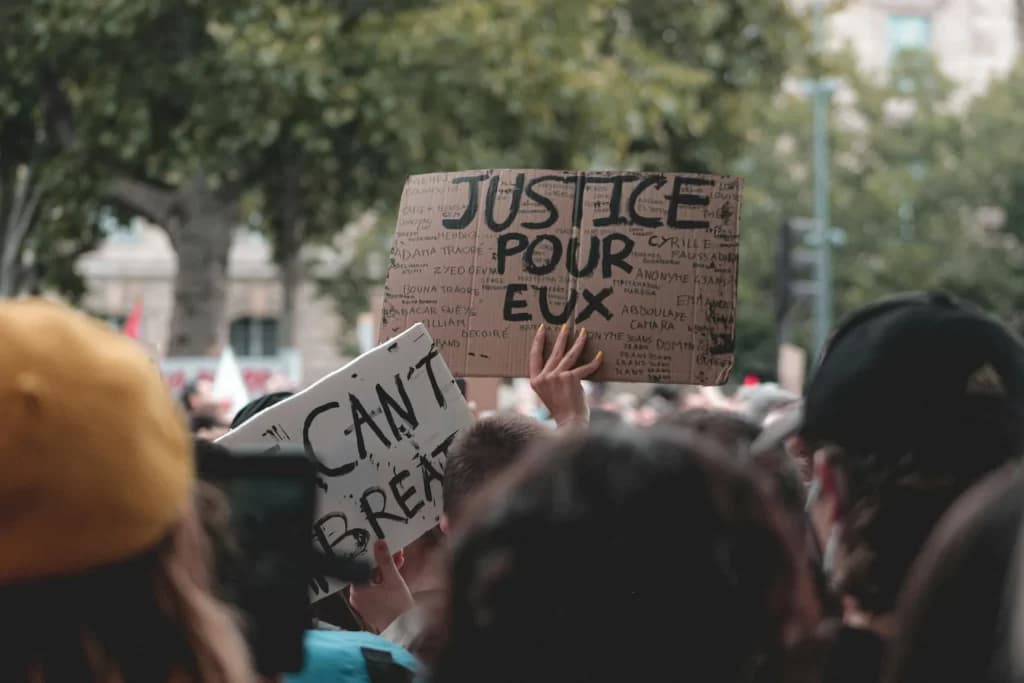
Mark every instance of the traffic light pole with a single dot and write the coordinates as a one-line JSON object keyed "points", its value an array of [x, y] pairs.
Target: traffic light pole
{"points": [[822, 92]]}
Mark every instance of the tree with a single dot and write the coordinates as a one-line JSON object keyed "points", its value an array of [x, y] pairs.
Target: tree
{"points": [[47, 208], [546, 83], [911, 174], [313, 112]]}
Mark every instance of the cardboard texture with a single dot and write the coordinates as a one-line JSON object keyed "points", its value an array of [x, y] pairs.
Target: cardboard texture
{"points": [[378, 429], [647, 263]]}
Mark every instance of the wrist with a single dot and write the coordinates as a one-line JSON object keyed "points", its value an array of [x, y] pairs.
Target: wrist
{"points": [[573, 420]]}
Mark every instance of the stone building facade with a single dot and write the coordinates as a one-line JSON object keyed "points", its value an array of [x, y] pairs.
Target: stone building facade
{"points": [[973, 41]]}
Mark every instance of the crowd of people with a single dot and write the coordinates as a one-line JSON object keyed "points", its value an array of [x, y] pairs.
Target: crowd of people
{"points": [[868, 531]]}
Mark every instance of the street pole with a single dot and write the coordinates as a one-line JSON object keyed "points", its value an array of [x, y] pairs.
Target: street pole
{"points": [[822, 93]]}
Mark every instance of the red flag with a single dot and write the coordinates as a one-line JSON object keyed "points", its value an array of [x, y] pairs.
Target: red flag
{"points": [[134, 320]]}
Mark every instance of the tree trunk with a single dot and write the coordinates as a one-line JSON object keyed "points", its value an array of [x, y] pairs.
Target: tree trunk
{"points": [[289, 231], [201, 232], [20, 195], [200, 224], [290, 264]]}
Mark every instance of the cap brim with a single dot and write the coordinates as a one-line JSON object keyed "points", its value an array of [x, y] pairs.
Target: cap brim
{"points": [[775, 434]]}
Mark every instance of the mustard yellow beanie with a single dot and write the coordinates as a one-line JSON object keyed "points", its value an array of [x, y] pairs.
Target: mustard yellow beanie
{"points": [[96, 464]]}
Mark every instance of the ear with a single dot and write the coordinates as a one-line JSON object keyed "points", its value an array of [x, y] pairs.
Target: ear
{"points": [[445, 525]]}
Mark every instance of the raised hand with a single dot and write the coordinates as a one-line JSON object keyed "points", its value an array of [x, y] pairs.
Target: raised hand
{"points": [[388, 597], [556, 381]]}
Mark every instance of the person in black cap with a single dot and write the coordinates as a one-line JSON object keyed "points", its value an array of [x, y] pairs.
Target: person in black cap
{"points": [[916, 398]]}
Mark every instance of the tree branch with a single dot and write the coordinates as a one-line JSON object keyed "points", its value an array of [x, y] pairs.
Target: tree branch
{"points": [[149, 201], [23, 223], [58, 118], [21, 180]]}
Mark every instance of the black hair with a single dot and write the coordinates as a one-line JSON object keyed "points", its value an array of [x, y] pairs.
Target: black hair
{"points": [[201, 421], [963, 580], [258, 405], [601, 539]]}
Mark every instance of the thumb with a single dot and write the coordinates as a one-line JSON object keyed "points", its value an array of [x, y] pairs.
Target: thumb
{"points": [[385, 562]]}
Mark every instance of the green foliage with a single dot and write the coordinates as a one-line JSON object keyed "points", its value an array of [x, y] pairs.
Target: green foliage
{"points": [[911, 176], [313, 112]]}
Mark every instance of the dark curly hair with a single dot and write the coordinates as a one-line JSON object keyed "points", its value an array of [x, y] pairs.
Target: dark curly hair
{"points": [[624, 555]]}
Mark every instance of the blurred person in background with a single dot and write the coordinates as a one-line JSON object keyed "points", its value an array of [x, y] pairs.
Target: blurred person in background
{"points": [[197, 397], [625, 555], [207, 427], [103, 568], [956, 616], [737, 434], [916, 398]]}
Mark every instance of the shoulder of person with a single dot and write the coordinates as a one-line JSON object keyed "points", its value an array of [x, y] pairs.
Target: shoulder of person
{"points": [[354, 656]]}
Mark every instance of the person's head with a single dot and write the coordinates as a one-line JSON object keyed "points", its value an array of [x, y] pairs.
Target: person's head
{"points": [[732, 430], [965, 581], [915, 399], [258, 405], [624, 555], [736, 434], [103, 572], [197, 394], [481, 452], [207, 426]]}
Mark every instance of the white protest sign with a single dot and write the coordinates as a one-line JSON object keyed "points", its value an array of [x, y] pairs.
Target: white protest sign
{"points": [[378, 430]]}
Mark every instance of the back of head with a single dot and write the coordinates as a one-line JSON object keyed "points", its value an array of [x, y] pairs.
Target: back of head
{"points": [[924, 379], [961, 584], [734, 431], [101, 568], [736, 434], [917, 397], [619, 556], [483, 451]]}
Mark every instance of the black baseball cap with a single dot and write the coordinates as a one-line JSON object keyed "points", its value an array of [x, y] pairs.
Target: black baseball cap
{"points": [[922, 378]]}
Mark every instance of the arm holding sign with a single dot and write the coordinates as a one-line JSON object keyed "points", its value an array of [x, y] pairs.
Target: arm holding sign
{"points": [[557, 382]]}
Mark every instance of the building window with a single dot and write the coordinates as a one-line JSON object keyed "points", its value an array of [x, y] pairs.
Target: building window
{"points": [[254, 336], [909, 32]]}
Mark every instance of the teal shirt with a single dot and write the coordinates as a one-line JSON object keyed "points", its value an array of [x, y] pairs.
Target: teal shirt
{"points": [[341, 657]]}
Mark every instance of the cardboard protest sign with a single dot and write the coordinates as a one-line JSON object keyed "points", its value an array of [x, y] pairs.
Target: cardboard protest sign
{"points": [[378, 430], [647, 263]]}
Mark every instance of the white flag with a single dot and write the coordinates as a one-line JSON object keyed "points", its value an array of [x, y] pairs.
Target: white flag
{"points": [[228, 385]]}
